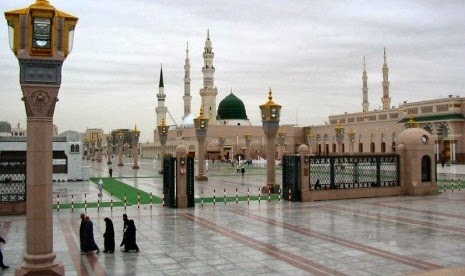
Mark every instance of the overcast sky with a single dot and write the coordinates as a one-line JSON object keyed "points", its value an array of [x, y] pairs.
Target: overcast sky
{"points": [[309, 52]]}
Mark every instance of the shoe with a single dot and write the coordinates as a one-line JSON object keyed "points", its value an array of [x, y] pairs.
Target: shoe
{"points": [[98, 251], [5, 267]]}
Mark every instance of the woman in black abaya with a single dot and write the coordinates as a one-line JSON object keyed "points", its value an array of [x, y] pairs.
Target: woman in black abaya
{"points": [[109, 237], [130, 240]]}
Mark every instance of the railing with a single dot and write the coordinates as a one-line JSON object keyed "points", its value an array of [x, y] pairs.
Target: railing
{"points": [[353, 172], [12, 191]]}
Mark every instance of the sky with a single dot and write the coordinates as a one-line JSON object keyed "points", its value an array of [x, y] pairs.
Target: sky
{"points": [[309, 52]]}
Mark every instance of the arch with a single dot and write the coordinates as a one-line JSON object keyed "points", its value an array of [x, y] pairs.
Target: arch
{"points": [[425, 169], [72, 147], [76, 148], [360, 147], [383, 147], [372, 147]]}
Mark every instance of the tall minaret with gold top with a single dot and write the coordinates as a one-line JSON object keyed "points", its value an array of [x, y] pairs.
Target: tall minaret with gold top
{"points": [[209, 91], [365, 103], [187, 85], [161, 109], [386, 100]]}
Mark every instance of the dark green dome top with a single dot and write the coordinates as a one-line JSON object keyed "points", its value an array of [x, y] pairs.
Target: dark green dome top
{"points": [[231, 108]]}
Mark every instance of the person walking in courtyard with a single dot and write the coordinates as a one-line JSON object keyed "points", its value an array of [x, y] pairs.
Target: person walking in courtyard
{"points": [[100, 188], [2, 265], [82, 232], [89, 237], [125, 228], [243, 171], [110, 171], [130, 240], [109, 237]]}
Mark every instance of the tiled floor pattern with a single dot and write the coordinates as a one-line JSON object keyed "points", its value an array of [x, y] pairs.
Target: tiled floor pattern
{"points": [[376, 236]]}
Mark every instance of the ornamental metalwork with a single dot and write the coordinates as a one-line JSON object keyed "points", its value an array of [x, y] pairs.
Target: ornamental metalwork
{"points": [[350, 172], [12, 176]]}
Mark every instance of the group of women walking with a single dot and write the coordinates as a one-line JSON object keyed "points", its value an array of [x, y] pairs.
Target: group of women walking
{"points": [[86, 234]]}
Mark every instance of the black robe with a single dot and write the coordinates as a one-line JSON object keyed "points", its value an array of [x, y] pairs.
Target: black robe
{"points": [[90, 241], [109, 236], [82, 235], [130, 239]]}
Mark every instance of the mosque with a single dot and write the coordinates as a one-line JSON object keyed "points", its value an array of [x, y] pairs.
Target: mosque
{"points": [[231, 136]]}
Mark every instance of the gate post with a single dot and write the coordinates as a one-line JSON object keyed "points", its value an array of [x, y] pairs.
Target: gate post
{"points": [[416, 150], [181, 176], [305, 170]]}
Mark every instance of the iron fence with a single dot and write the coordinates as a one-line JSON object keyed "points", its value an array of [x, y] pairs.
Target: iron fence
{"points": [[351, 172]]}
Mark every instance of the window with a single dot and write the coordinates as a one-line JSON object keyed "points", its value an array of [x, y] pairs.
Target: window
{"points": [[372, 147], [360, 147], [425, 169]]}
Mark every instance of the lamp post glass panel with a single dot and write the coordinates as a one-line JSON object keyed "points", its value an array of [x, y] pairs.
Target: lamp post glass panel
{"points": [[270, 112], [163, 135], [41, 37], [201, 125]]}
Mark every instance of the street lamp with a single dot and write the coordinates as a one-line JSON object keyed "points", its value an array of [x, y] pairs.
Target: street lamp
{"points": [[41, 37], [352, 140], [221, 141], [248, 142], [201, 125], [339, 129], [120, 148], [163, 135], [270, 112], [135, 147], [109, 149], [99, 148]]}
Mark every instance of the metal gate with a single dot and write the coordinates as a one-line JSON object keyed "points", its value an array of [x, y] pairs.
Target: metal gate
{"points": [[190, 182], [169, 181], [291, 177], [12, 176], [354, 171]]}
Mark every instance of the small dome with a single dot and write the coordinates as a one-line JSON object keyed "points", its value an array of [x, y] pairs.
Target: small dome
{"points": [[188, 120], [5, 127], [231, 108]]}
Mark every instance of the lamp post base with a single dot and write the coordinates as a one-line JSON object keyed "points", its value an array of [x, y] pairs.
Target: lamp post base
{"points": [[271, 187], [201, 178], [109, 162], [120, 164], [135, 167], [40, 265]]}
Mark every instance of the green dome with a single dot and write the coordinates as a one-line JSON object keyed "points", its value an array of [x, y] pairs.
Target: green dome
{"points": [[231, 108]]}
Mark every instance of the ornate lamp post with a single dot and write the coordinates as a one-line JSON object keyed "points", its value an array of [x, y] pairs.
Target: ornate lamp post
{"points": [[109, 149], [339, 137], [221, 141], [248, 142], [41, 37], [352, 140], [281, 143], [86, 144], [201, 125], [135, 147], [120, 148], [270, 112], [99, 148], [163, 135]]}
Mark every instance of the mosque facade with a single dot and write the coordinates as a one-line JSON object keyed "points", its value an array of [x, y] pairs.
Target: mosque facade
{"points": [[231, 136]]}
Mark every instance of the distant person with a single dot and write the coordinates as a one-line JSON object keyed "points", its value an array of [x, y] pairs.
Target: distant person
{"points": [[89, 237], [206, 165], [100, 188], [125, 228], [130, 241], [110, 171], [2, 265], [243, 170], [82, 233], [317, 184], [443, 159], [109, 237], [238, 169]]}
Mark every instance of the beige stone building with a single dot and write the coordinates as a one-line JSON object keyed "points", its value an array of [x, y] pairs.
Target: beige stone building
{"points": [[230, 133]]}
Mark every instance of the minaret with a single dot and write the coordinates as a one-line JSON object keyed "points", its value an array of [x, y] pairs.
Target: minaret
{"points": [[187, 85], [365, 103], [386, 100], [161, 109], [209, 91]]}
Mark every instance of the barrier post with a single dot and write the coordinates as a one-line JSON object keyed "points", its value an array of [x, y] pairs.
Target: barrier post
{"points": [[85, 203], [98, 203], [72, 203], [201, 192], [248, 196], [290, 197], [269, 195], [259, 195], [237, 198], [111, 202], [125, 202], [460, 184], [58, 203], [138, 200], [224, 195], [214, 196], [279, 194], [151, 201]]}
